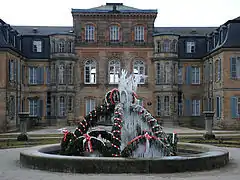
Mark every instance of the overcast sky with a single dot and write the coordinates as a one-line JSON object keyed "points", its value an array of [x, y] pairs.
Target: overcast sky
{"points": [[170, 12]]}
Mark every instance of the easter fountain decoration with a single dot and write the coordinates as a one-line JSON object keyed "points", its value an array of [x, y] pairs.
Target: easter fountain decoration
{"points": [[135, 132]]}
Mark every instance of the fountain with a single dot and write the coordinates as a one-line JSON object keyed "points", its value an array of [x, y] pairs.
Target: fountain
{"points": [[136, 140]]}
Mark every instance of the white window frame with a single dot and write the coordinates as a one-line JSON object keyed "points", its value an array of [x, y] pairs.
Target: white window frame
{"points": [[196, 107], [114, 33], [114, 75], [62, 109], [61, 71], [33, 107], [90, 105], [166, 105], [236, 67], [190, 47], [139, 70], [196, 75], [37, 46], [90, 72], [32, 75], [139, 33], [89, 33]]}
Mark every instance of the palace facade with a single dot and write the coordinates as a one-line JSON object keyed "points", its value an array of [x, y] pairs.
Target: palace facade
{"points": [[59, 74]]}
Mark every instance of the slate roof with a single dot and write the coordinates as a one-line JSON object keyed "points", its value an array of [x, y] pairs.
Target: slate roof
{"points": [[184, 31], [110, 6], [43, 30]]}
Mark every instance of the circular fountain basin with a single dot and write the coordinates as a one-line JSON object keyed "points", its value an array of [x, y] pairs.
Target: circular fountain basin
{"points": [[192, 157]]}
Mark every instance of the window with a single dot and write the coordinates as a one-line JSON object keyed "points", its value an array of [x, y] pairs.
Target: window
{"points": [[48, 104], [235, 106], [53, 73], [167, 71], [174, 46], [90, 72], [114, 71], [180, 77], [139, 70], [90, 105], [139, 33], [70, 47], [62, 106], [218, 108], [61, 74], [158, 105], [33, 107], [89, 33], [191, 47], [166, 106], [166, 46], [196, 107], [195, 75], [33, 71], [114, 33], [61, 47], [160, 73], [158, 47], [70, 104], [235, 67], [37, 46]]}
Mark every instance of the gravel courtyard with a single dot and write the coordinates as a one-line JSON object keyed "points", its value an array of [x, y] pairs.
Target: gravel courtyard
{"points": [[10, 169]]}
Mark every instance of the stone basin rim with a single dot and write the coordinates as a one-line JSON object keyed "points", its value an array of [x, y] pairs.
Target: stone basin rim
{"points": [[208, 157]]}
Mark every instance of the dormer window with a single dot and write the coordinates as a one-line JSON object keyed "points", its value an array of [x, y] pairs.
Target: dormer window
{"points": [[37, 46], [190, 47], [139, 33], [114, 33]]}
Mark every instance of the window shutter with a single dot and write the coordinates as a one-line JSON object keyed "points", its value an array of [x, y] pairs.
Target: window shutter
{"points": [[40, 107], [188, 107], [188, 75], [234, 106]]}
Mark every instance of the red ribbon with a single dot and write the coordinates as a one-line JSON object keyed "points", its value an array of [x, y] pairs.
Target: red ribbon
{"points": [[89, 143], [65, 134]]}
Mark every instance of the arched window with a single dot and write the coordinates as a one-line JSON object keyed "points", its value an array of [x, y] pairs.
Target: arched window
{"points": [[114, 33], [114, 71], [90, 72], [139, 33], [89, 33], [61, 74], [62, 106], [139, 70]]}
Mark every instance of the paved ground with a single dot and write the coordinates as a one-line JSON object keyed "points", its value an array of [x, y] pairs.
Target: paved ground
{"points": [[10, 170]]}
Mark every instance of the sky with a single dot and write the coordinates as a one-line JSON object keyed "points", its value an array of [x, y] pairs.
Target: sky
{"points": [[175, 13]]}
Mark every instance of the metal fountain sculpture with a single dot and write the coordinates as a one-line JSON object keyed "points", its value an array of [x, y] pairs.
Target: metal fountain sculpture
{"points": [[135, 132]]}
